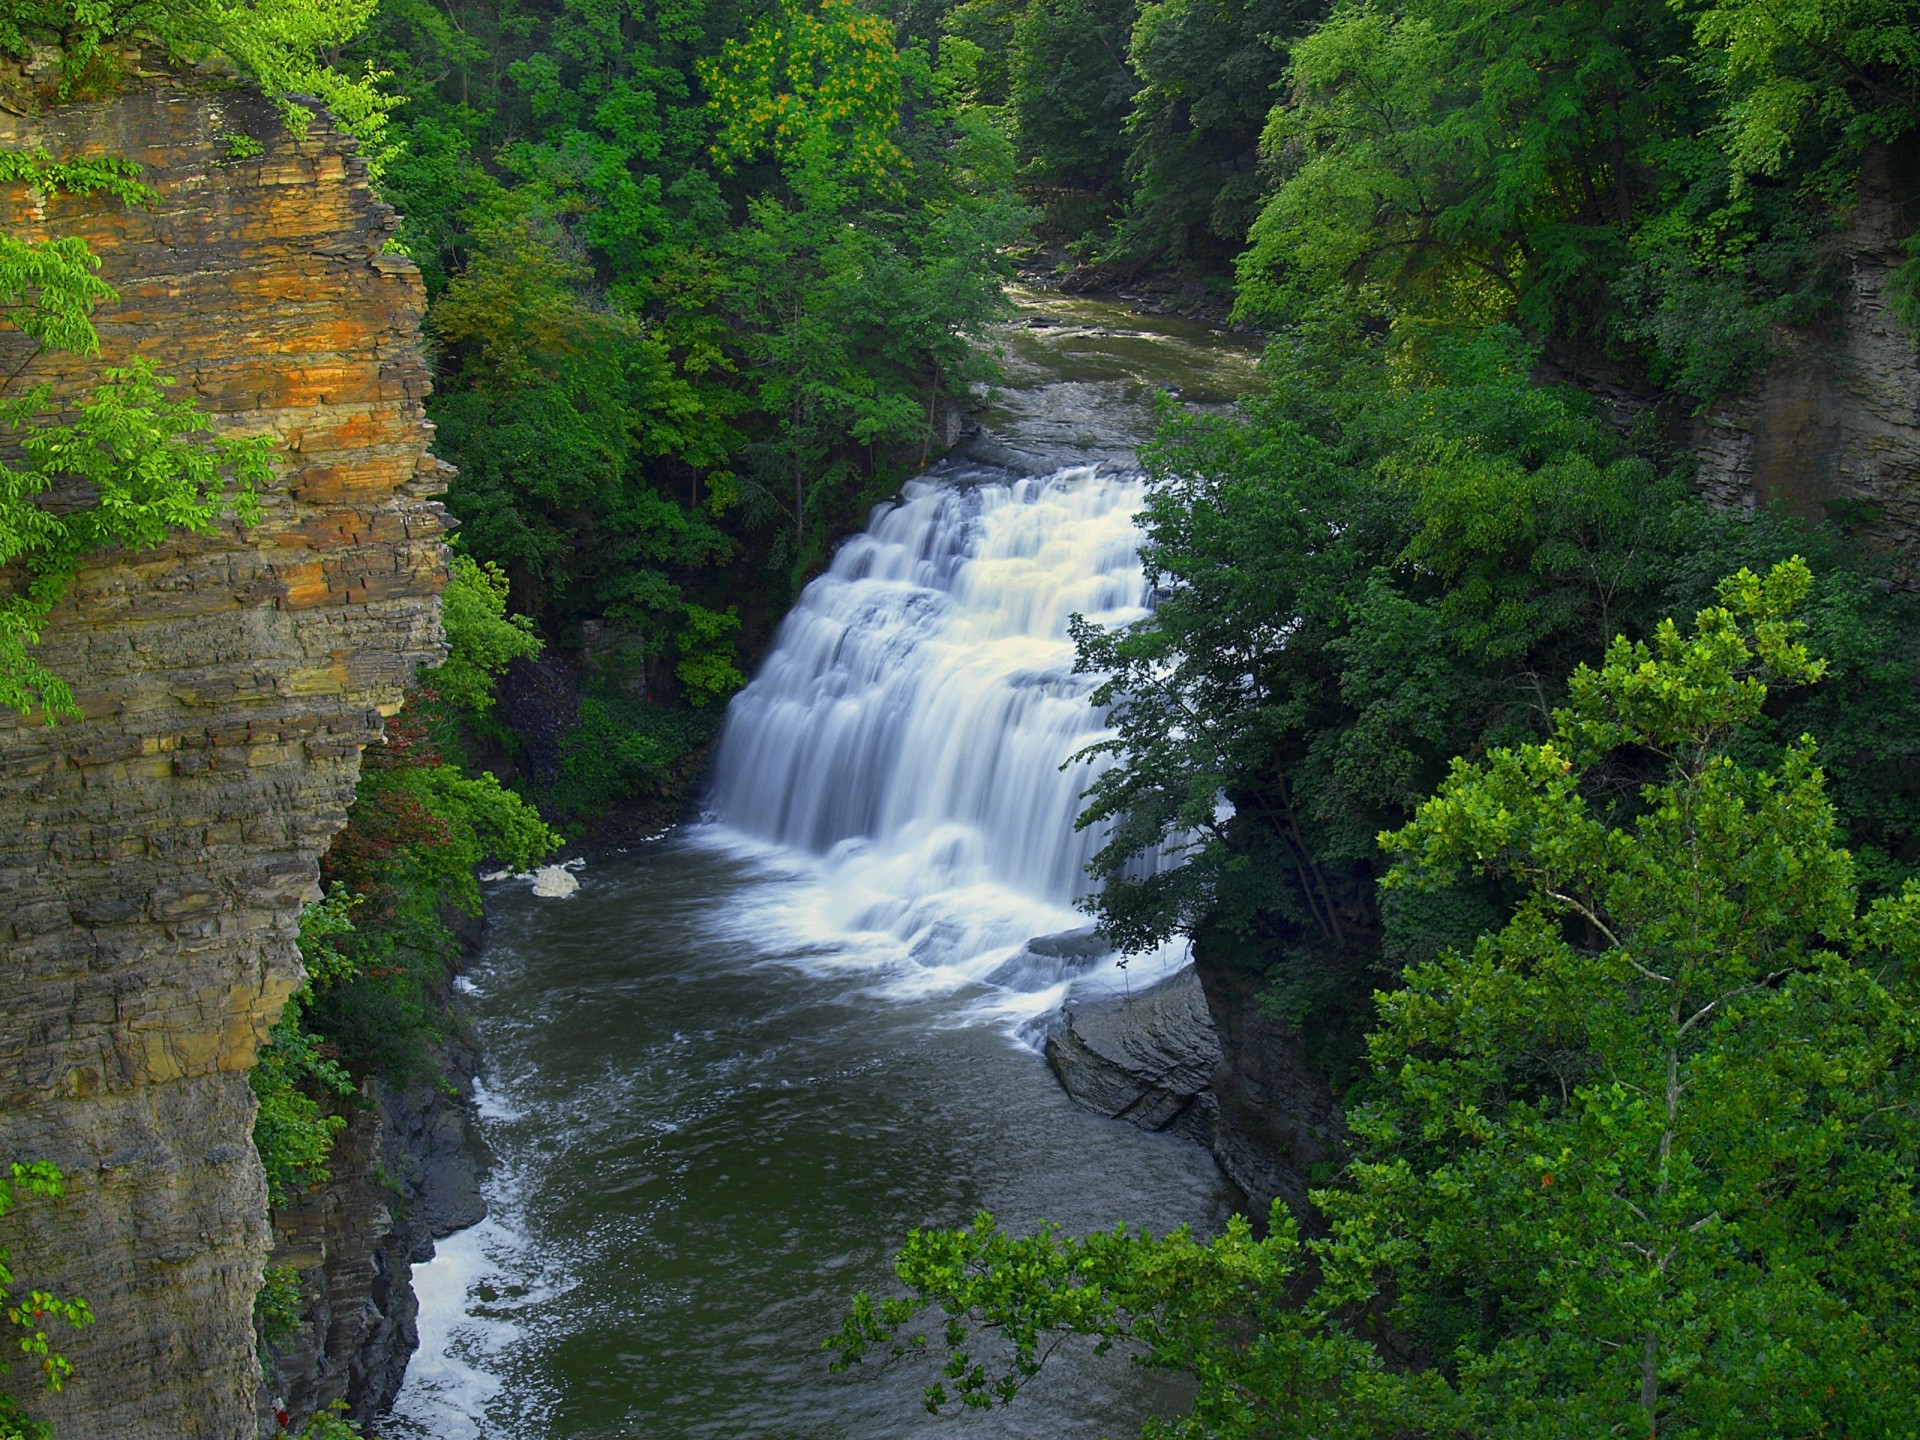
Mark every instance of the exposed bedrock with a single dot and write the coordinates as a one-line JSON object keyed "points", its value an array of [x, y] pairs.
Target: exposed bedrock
{"points": [[1148, 1060], [154, 853], [1833, 429], [406, 1173], [1195, 1056]]}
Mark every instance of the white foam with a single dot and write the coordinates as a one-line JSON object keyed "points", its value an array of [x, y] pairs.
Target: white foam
{"points": [[476, 1297], [900, 767], [554, 882]]}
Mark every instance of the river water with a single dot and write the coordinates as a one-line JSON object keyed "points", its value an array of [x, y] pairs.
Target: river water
{"points": [[730, 1073]]}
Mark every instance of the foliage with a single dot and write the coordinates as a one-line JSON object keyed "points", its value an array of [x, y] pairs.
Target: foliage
{"points": [[1826, 71], [1071, 91], [149, 474], [1621, 176], [703, 279], [417, 831], [482, 638], [296, 1076], [1649, 1146], [276, 1309], [331, 1424], [1207, 71], [1387, 563], [818, 86], [29, 1313], [1640, 1160], [135, 456], [1224, 1310], [707, 667], [286, 46], [624, 749]]}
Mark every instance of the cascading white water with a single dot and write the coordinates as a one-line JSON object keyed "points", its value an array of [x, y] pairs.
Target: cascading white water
{"points": [[906, 742]]}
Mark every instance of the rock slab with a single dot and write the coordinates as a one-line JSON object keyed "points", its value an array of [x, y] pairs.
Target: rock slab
{"points": [[1148, 1059]]}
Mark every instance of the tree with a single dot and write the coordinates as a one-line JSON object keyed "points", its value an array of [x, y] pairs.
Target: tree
{"points": [[1396, 557], [29, 1313], [1641, 1160], [286, 46], [1645, 1161], [1071, 92], [133, 463], [1207, 71], [482, 638]]}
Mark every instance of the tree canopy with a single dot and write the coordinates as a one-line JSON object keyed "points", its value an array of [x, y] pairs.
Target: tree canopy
{"points": [[1639, 1160]]}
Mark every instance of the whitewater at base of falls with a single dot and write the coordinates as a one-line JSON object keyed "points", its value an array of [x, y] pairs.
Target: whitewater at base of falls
{"points": [[901, 770]]}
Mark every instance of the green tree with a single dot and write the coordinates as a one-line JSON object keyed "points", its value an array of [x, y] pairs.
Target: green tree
{"points": [[1646, 1157], [1641, 1159], [286, 46], [295, 1077], [1463, 164], [149, 470], [29, 1313], [1394, 558], [133, 467], [482, 638], [1207, 72], [1071, 91]]}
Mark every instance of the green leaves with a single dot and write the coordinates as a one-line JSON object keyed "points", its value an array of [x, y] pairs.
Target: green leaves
{"points": [[1220, 1311], [1639, 1160], [1646, 1136], [818, 85], [1586, 169], [482, 638], [29, 1314], [142, 471]]}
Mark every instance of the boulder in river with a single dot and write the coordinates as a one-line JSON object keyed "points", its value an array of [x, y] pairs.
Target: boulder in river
{"points": [[1046, 959], [1147, 1059]]}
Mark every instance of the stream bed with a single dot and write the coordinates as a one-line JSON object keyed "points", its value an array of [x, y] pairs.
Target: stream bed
{"points": [[728, 1075]]}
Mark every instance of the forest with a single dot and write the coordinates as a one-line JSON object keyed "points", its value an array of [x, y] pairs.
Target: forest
{"points": [[1571, 823]]}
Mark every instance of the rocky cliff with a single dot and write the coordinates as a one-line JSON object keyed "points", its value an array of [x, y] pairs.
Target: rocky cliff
{"points": [[154, 853], [1832, 431]]}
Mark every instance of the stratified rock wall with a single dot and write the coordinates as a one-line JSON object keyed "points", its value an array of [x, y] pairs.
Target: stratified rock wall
{"points": [[1833, 430], [154, 854]]}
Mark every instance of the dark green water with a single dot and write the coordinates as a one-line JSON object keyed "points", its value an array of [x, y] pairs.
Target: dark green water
{"points": [[715, 1116]]}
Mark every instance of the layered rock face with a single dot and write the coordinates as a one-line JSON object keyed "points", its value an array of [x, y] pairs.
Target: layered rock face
{"points": [[1147, 1059], [406, 1173], [154, 854], [1833, 430]]}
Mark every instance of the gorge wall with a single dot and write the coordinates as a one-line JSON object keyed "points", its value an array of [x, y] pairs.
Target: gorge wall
{"points": [[155, 853], [1832, 430]]}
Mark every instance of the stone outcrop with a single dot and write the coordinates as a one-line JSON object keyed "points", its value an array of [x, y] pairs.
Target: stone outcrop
{"points": [[1833, 429], [406, 1173], [1276, 1119], [154, 853], [1148, 1059]]}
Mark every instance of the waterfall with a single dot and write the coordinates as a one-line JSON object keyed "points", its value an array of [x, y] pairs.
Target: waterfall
{"points": [[904, 748]]}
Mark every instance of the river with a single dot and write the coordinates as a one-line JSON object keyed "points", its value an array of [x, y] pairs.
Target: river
{"points": [[728, 1075]]}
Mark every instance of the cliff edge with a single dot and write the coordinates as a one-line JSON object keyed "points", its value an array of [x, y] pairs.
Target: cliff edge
{"points": [[155, 853]]}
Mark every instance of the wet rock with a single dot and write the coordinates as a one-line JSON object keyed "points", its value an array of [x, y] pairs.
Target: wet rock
{"points": [[1046, 959], [406, 1172], [1277, 1119], [1148, 1060], [1086, 943]]}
